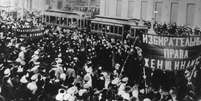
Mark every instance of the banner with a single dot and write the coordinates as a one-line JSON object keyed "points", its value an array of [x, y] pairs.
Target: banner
{"points": [[171, 52], [29, 32]]}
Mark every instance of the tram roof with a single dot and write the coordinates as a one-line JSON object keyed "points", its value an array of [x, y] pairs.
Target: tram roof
{"points": [[60, 11], [63, 13], [118, 21]]}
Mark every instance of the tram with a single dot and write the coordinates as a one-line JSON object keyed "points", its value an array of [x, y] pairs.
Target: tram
{"points": [[117, 26], [66, 19], [100, 24]]}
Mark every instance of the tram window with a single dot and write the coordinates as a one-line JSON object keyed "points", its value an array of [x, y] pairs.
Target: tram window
{"points": [[82, 22], [79, 22], [47, 19], [100, 27], [57, 20], [112, 29], [103, 27], [92, 26], [43, 17], [74, 20], [116, 30], [96, 26], [106, 28], [120, 30], [52, 19], [65, 21], [132, 32], [62, 21], [86, 22], [69, 21]]}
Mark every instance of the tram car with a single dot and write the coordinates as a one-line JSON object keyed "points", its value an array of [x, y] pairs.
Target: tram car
{"points": [[98, 24], [66, 19], [117, 26]]}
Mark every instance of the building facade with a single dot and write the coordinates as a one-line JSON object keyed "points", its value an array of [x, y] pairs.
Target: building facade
{"points": [[9, 7], [182, 12], [72, 4], [64, 5], [33, 4]]}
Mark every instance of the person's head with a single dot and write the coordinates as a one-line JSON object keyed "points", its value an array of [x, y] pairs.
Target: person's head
{"points": [[125, 80], [100, 67], [117, 66], [147, 99], [199, 99]]}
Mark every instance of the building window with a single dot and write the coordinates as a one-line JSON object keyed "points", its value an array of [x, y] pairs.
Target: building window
{"points": [[144, 9], [106, 8], [190, 14], [59, 6], [131, 6], [118, 11], [174, 12], [31, 4], [158, 11], [47, 2]]}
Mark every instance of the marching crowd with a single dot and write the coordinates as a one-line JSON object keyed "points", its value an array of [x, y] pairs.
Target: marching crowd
{"points": [[175, 30], [73, 65]]}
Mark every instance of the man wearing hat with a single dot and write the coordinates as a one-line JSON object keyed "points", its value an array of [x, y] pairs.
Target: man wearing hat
{"points": [[122, 85], [7, 87], [21, 56]]}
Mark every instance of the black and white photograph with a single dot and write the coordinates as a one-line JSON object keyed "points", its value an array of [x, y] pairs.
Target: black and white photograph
{"points": [[100, 50]]}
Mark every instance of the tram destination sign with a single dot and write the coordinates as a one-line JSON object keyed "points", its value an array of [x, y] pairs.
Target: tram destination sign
{"points": [[171, 52]]}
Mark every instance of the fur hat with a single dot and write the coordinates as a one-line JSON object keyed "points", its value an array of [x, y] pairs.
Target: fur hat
{"points": [[7, 72], [115, 81], [125, 79], [34, 77], [24, 80], [82, 91], [32, 86], [63, 76]]}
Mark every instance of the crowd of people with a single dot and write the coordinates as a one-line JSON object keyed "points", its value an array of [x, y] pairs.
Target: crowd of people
{"points": [[73, 65], [174, 29]]}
